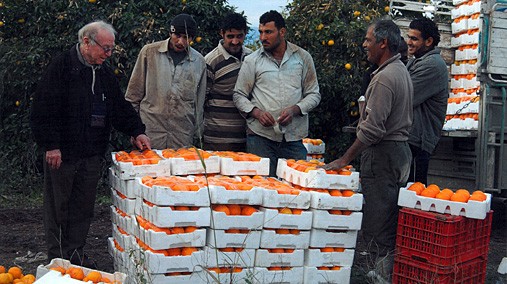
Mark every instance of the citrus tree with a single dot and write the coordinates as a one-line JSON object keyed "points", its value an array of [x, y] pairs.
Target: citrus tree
{"points": [[333, 32], [33, 31]]}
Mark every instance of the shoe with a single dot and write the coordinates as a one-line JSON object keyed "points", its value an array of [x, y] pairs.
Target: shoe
{"points": [[83, 260]]}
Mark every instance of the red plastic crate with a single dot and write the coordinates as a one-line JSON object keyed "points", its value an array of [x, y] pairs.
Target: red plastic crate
{"points": [[408, 271], [441, 239]]}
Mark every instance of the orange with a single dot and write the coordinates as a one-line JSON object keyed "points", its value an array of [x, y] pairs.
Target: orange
{"points": [[16, 281], [188, 250], [106, 280], [234, 209], [297, 211], [447, 191], [430, 192], [328, 249], [232, 231], [2, 269], [174, 252], [322, 268], [339, 249], [94, 276], [248, 210], [464, 192], [237, 269], [335, 212], [347, 193], [418, 187], [478, 196], [346, 212], [277, 250], [226, 249], [274, 268], [459, 197], [75, 273], [190, 229], [181, 208], [222, 208], [15, 272], [238, 249], [335, 192], [336, 268], [5, 278], [294, 231], [214, 269], [285, 211], [177, 230], [443, 195], [282, 231]]}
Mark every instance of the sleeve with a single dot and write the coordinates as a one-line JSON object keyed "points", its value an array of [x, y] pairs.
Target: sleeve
{"points": [[425, 79], [311, 95], [199, 109], [244, 86], [45, 113], [137, 83]]}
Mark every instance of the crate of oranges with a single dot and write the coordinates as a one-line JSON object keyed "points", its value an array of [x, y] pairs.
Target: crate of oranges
{"points": [[308, 174], [229, 190], [272, 238], [173, 191], [241, 257], [121, 236], [333, 238], [236, 216], [122, 219], [335, 199], [120, 256], [329, 256], [432, 198], [278, 274], [233, 238], [191, 161], [126, 186], [239, 163], [336, 219], [62, 271], [287, 218], [123, 203], [139, 163], [331, 274], [314, 146], [174, 216], [279, 257]]}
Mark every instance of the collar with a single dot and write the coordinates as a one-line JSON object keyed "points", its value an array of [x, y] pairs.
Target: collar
{"points": [[387, 62], [291, 49], [164, 48], [227, 55], [83, 61]]}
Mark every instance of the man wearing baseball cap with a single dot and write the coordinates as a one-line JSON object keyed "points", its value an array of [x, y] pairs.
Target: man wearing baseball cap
{"points": [[167, 87]]}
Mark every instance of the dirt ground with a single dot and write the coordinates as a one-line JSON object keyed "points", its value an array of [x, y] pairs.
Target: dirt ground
{"points": [[22, 237]]}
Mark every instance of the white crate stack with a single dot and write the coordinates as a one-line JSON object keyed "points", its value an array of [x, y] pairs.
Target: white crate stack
{"points": [[463, 104], [315, 148]]}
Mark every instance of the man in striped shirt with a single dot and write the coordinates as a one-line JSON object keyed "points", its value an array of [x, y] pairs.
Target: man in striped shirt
{"points": [[224, 127]]}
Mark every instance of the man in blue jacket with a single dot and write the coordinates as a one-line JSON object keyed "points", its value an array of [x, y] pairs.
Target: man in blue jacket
{"points": [[431, 90]]}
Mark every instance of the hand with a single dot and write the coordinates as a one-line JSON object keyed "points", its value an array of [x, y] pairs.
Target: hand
{"points": [[264, 117], [54, 158], [142, 142], [287, 114], [335, 165]]}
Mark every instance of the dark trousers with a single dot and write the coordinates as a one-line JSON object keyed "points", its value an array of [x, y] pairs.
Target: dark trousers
{"points": [[384, 169], [236, 147], [419, 166], [69, 199], [273, 150]]}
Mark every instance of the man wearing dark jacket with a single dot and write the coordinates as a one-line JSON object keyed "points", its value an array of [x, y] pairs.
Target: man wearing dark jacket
{"points": [[75, 104], [431, 90]]}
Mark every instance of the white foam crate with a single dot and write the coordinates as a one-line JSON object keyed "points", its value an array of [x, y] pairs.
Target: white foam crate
{"points": [[316, 178], [166, 217], [464, 68], [221, 221], [460, 26], [316, 258], [320, 238], [270, 239], [229, 167], [220, 195], [470, 108], [56, 277], [215, 258], [221, 239], [325, 201], [474, 8], [322, 219], [315, 276], [459, 11], [472, 209], [457, 2], [264, 258], [465, 83], [272, 199], [125, 186], [126, 205], [474, 23], [466, 54], [159, 263], [310, 158], [124, 241], [315, 149], [127, 170], [194, 278], [274, 219], [121, 259], [191, 167], [293, 275], [461, 124], [245, 276], [161, 240], [125, 222], [165, 196]]}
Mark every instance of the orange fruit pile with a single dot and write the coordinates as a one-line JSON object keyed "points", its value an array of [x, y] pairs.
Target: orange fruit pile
{"points": [[238, 156], [228, 183], [188, 154], [231, 249], [15, 275], [147, 225], [316, 156], [234, 209], [184, 251], [270, 183], [332, 249], [277, 268], [146, 157], [280, 250], [332, 192], [77, 273], [329, 268], [173, 182], [306, 166], [312, 141], [460, 195], [284, 231], [225, 269]]}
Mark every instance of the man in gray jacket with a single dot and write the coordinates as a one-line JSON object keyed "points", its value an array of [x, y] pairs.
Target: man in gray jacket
{"points": [[431, 90]]}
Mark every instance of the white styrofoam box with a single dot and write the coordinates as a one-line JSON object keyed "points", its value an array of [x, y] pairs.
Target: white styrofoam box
{"points": [[310, 158], [270, 239], [198, 277], [125, 222], [457, 2], [471, 38], [230, 167], [264, 258], [313, 275], [275, 219], [222, 221], [124, 241], [127, 170], [458, 69], [322, 219], [57, 277], [293, 275], [317, 178], [459, 11], [340, 239], [457, 27], [121, 259], [466, 54], [181, 167], [126, 205], [165, 196], [221, 239], [457, 83], [215, 258], [474, 8], [474, 23], [161, 240], [245, 276], [325, 201], [315, 257], [124, 186], [315, 149], [472, 209], [159, 263], [271, 198], [220, 195], [471, 83], [166, 217]]}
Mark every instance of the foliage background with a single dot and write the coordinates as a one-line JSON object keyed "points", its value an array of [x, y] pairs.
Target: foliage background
{"points": [[32, 31]]}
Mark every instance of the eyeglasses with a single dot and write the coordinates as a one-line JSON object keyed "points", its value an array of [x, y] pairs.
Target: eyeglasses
{"points": [[106, 49]]}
